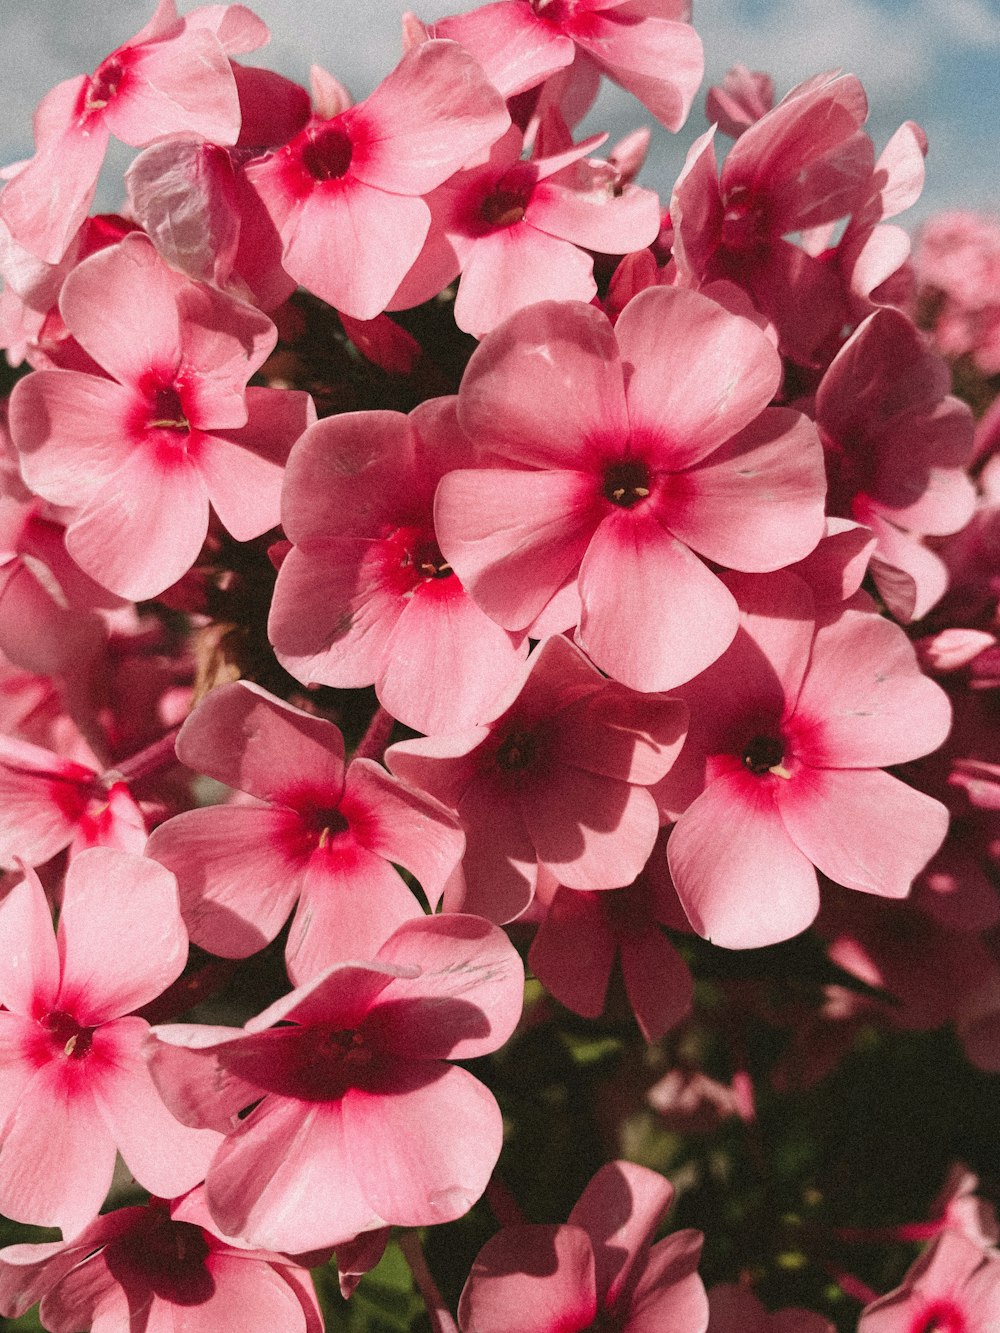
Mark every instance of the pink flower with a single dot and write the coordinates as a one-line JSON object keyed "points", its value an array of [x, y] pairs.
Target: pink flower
{"points": [[359, 174], [744, 96], [172, 77], [163, 1265], [602, 475], [364, 596], [518, 232], [345, 1117], [790, 731], [647, 46], [735, 1309], [574, 950], [600, 1269], [954, 1286], [74, 1085], [326, 837], [139, 454], [897, 445], [557, 780]]}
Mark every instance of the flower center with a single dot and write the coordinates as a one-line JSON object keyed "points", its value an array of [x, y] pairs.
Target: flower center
{"points": [[940, 1317], [518, 751], [66, 1032], [167, 412], [425, 559], [169, 1256], [744, 223], [327, 153], [103, 84], [764, 755], [503, 206], [626, 483]]}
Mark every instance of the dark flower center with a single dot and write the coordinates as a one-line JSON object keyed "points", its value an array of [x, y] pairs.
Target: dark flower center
{"points": [[503, 207], [66, 1032], [518, 751], [170, 1256], [763, 753], [104, 84], [425, 559], [327, 154], [167, 411], [626, 483]]}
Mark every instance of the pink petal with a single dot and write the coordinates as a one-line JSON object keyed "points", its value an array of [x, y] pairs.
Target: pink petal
{"points": [[614, 732], [772, 475], [165, 1156], [515, 49], [723, 371], [42, 800], [537, 390], [429, 1140], [447, 663], [353, 248], [865, 700], [237, 871], [910, 577], [514, 537], [71, 432], [183, 85], [658, 982], [595, 218], [589, 831], [513, 268], [286, 1179], [343, 995], [121, 937], [144, 528], [29, 960], [243, 736], [619, 1210], [466, 1000], [58, 1157], [351, 902], [121, 306], [863, 829], [501, 865], [653, 614], [190, 1065], [545, 1273], [426, 120], [669, 1293], [573, 952], [777, 612], [754, 886]]}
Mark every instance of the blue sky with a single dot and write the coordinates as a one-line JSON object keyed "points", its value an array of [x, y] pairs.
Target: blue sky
{"points": [[933, 61]]}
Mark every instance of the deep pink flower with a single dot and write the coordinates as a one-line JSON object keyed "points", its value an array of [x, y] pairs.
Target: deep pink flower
{"points": [[327, 837], [172, 77], [803, 164], [790, 732], [364, 596], [897, 446], [602, 474], [344, 1117], [647, 46], [163, 1265], [519, 232], [954, 1287], [743, 97], [359, 174], [138, 454], [74, 1085], [575, 947], [557, 780], [599, 1270]]}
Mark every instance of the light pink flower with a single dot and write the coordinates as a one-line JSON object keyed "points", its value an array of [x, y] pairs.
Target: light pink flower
{"points": [[557, 780], [519, 232], [360, 174], [163, 1265], [74, 1085], [364, 596], [140, 452], [790, 732], [600, 1269], [602, 474], [954, 1286], [172, 77], [345, 1117], [647, 46], [897, 446], [327, 837]]}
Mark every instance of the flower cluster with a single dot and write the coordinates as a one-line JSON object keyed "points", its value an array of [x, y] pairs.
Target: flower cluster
{"points": [[427, 550]]}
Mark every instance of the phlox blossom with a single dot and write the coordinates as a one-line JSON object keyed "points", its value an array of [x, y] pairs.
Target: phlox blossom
{"points": [[320, 833], [598, 1270], [140, 451], [74, 1086], [782, 773], [610, 460], [340, 1112], [953, 1287], [161, 1264]]}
